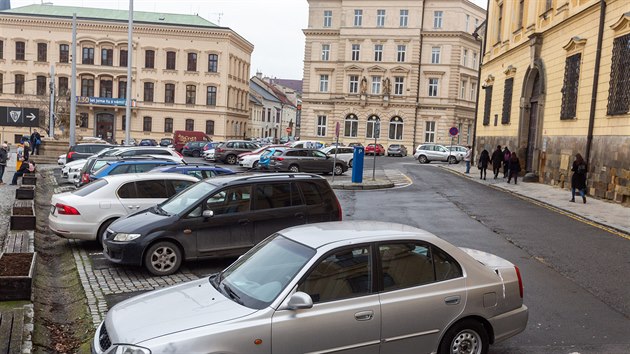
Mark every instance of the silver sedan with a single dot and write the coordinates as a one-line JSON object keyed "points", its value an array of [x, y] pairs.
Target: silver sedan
{"points": [[344, 287]]}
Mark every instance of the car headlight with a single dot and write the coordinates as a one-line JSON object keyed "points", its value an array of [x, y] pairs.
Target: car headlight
{"points": [[127, 349], [126, 237]]}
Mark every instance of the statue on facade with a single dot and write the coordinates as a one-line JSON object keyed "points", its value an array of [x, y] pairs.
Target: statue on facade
{"points": [[364, 86], [387, 87]]}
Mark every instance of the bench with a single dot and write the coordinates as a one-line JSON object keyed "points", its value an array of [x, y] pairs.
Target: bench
{"points": [[11, 331]]}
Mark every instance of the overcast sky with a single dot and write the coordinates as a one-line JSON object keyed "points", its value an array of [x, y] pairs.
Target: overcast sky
{"points": [[273, 26]]}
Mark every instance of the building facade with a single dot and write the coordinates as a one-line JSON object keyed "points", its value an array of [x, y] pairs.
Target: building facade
{"points": [[403, 72], [187, 73], [552, 90]]}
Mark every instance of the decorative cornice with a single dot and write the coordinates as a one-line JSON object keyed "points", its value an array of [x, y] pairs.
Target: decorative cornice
{"points": [[353, 68], [575, 43], [399, 69], [489, 80], [434, 73], [623, 22], [510, 70], [376, 68], [320, 32]]}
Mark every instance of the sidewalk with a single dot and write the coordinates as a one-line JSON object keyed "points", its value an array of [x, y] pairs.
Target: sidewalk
{"points": [[383, 178], [607, 214]]}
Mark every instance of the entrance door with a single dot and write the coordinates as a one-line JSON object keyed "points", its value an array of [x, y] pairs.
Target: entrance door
{"points": [[105, 126]]}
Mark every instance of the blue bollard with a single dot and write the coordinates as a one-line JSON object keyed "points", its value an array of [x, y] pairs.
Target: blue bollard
{"points": [[357, 164]]}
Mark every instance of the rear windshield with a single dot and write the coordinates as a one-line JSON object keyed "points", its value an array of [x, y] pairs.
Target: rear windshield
{"points": [[101, 169], [90, 187]]}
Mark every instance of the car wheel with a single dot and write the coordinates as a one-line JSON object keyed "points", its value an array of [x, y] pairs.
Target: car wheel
{"points": [[294, 168], [338, 170], [163, 258], [196, 153], [100, 234], [452, 160], [350, 163], [230, 159], [255, 164], [465, 337], [423, 159]]}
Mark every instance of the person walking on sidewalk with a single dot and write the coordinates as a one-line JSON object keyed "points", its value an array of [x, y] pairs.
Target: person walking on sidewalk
{"points": [[497, 161], [506, 161], [484, 158], [578, 180], [514, 167], [4, 156], [467, 159], [36, 141]]}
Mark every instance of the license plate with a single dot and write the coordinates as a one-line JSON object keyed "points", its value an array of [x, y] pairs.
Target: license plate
{"points": [[52, 210]]}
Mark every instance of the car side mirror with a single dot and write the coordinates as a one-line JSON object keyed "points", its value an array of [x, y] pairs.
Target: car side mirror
{"points": [[300, 300], [207, 213]]}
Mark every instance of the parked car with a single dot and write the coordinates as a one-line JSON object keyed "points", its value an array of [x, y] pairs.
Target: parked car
{"points": [[193, 148], [228, 152], [459, 151], [219, 217], [87, 212], [83, 151], [132, 165], [426, 153], [355, 144], [346, 154], [308, 144], [208, 152], [181, 137], [377, 149], [166, 142], [342, 287], [198, 171], [397, 150], [71, 171], [148, 142], [61, 160], [307, 160], [252, 159]]}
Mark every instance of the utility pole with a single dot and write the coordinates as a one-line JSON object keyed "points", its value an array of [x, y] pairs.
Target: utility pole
{"points": [[51, 126], [73, 86], [128, 93]]}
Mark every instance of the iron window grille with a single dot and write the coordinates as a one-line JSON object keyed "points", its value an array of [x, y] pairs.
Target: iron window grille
{"points": [[507, 100], [570, 86], [486, 106], [618, 92]]}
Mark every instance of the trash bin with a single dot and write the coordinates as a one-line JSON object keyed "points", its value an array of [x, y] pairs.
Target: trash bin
{"points": [[357, 164]]}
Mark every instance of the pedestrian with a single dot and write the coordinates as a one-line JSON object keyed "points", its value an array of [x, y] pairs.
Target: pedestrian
{"points": [[26, 154], [497, 161], [578, 180], [467, 159], [27, 166], [506, 161], [36, 141], [484, 159], [514, 167], [4, 157]]}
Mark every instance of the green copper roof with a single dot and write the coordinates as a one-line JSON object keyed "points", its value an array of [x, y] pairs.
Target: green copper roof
{"points": [[111, 15]]}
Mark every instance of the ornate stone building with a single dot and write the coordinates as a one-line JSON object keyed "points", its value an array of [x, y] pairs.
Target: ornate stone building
{"points": [[404, 72], [553, 89], [188, 73]]}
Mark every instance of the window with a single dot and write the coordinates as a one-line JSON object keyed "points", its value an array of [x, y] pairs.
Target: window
{"points": [[486, 106], [399, 85], [351, 126], [84, 120], [169, 93], [147, 122], [1, 51], [42, 52], [87, 87], [211, 96], [148, 92], [213, 63], [618, 93], [474, 60], [429, 132], [570, 87], [499, 22], [192, 62], [473, 91], [346, 273], [63, 86], [149, 59], [462, 90], [521, 12], [400, 53], [378, 52], [356, 48], [41, 85], [122, 89], [396, 128], [106, 89], [404, 18], [88, 56], [190, 125], [373, 128], [20, 51], [435, 55], [152, 189], [548, 5], [276, 195], [1, 83], [168, 125], [433, 87], [467, 22], [376, 85], [210, 127], [171, 60], [321, 125], [437, 19], [124, 58], [327, 18], [64, 53], [191, 92], [358, 18], [476, 23], [380, 18], [325, 52], [323, 83], [354, 84], [465, 57], [507, 101], [107, 57]]}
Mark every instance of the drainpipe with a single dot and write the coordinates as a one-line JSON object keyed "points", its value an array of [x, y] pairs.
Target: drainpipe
{"points": [[481, 55], [415, 121], [598, 59]]}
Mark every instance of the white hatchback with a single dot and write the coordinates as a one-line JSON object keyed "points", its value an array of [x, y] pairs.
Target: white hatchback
{"points": [[71, 171], [345, 154], [87, 212]]}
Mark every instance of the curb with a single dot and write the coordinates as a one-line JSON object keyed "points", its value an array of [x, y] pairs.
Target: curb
{"points": [[362, 186]]}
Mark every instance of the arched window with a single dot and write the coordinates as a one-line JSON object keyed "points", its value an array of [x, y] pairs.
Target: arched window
{"points": [[351, 126], [396, 128], [373, 127], [190, 125]]}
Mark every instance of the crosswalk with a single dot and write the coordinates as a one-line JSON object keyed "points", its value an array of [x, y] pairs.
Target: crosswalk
{"points": [[398, 178]]}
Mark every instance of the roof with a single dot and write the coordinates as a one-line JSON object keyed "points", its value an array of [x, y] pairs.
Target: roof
{"points": [[263, 91], [295, 85], [254, 99], [145, 176], [278, 93], [110, 15]]}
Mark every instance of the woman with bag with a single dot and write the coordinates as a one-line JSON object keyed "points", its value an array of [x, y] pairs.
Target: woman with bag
{"points": [[484, 159], [578, 180]]}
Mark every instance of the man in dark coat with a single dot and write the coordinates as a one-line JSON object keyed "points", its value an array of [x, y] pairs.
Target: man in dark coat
{"points": [[497, 161], [36, 140], [578, 180]]}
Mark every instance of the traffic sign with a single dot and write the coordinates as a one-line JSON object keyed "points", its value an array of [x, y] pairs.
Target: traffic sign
{"points": [[453, 131], [19, 117], [288, 129]]}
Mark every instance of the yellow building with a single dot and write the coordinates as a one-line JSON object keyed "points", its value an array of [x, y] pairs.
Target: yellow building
{"points": [[556, 82], [188, 73]]}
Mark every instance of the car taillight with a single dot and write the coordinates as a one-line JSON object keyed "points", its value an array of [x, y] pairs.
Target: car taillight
{"points": [[85, 178], [520, 281], [278, 158], [66, 209], [219, 150], [70, 154]]}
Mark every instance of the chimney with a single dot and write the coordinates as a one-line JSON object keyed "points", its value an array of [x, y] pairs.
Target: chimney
{"points": [[259, 75], [5, 5]]}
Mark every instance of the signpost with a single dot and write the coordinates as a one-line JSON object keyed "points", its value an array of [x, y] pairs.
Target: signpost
{"points": [[19, 117], [453, 133], [337, 128]]}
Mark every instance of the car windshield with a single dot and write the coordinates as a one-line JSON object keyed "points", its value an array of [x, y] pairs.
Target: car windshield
{"points": [[187, 198], [100, 169], [259, 276]]}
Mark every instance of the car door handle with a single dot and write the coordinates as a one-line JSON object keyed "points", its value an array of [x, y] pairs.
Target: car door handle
{"points": [[243, 222], [364, 315], [299, 215], [187, 231], [452, 300], [134, 207]]}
